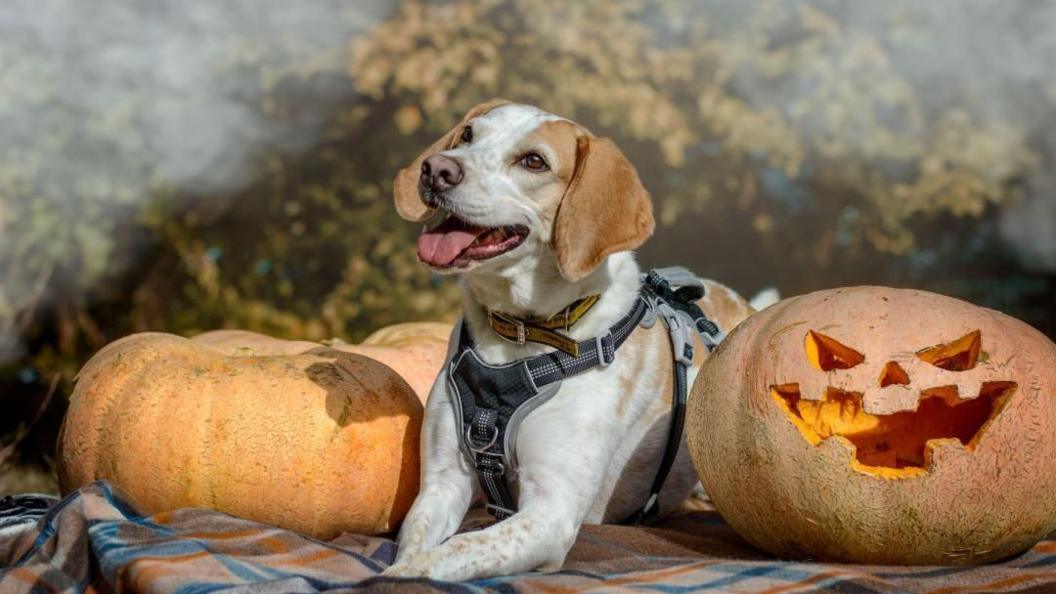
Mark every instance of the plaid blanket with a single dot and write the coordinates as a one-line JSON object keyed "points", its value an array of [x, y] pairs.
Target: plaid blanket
{"points": [[93, 540]]}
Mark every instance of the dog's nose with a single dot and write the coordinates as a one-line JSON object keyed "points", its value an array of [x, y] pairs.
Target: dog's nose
{"points": [[441, 173]]}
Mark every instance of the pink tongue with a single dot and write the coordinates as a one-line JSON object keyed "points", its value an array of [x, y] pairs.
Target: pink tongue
{"points": [[440, 246]]}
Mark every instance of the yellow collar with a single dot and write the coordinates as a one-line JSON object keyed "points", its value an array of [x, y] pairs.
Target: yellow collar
{"points": [[544, 331]]}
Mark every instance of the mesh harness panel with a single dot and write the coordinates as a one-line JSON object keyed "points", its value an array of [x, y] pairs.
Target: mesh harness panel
{"points": [[493, 399]]}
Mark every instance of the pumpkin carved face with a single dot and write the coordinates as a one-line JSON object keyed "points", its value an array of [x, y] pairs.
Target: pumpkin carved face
{"points": [[951, 399], [879, 425]]}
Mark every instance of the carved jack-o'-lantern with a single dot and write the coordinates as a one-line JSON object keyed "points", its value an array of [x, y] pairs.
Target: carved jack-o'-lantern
{"points": [[882, 426]]}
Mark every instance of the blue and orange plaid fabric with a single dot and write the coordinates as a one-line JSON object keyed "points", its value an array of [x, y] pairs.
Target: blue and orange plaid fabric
{"points": [[95, 541]]}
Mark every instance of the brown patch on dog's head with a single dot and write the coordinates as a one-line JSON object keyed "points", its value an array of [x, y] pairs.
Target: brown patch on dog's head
{"points": [[405, 185], [605, 209], [562, 136]]}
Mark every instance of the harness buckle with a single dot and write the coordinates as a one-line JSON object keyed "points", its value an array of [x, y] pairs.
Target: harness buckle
{"points": [[522, 331], [649, 317], [599, 348], [478, 449], [681, 335]]}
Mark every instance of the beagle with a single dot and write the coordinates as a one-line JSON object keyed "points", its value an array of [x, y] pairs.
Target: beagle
{"points": [[536, 213]]}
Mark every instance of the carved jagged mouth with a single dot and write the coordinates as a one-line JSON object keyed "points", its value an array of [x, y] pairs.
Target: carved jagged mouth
{"points": [[896, 444]]}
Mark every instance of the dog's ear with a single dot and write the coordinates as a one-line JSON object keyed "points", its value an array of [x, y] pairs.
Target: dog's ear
{"points": [[405, 185], [606, 209]]}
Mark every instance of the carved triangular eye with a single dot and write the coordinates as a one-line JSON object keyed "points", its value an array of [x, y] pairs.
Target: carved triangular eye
{"points": [[827, 353], [959, 355]]}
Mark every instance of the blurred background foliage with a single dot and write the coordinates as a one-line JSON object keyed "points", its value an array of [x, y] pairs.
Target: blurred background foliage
{"points": [[185, 166]]}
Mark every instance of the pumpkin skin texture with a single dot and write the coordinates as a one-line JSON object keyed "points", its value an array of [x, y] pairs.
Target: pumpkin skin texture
{"points": [[321, 443], [398, 334], [243, 343], [881, 426], [415, 350]]}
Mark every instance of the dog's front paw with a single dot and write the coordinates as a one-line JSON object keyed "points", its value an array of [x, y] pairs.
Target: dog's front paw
{"points": [[403, 569], [438, 565], [423, 565]]}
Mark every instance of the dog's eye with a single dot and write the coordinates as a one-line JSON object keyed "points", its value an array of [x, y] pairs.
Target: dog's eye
{"points": [[534, 162], [467, 134]]}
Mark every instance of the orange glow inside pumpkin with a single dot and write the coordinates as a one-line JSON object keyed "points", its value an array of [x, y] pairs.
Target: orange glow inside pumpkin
{"points": [[894, 445], [827, 353], [893, 374], [959, 355]]}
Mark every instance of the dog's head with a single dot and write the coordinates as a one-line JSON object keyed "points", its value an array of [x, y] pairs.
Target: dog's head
{"points": [[510, 181]]}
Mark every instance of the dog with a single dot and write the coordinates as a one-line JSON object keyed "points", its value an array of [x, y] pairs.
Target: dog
{"points": [[537, 213]]}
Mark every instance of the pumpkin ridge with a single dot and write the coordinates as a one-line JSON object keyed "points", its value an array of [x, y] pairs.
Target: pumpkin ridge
{"points": [[103, 393]]}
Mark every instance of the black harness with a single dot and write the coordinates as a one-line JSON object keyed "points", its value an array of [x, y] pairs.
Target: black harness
{"points": [[491, 401]]}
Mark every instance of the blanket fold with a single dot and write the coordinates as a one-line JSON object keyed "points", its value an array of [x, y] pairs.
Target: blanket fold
{"points": [[94, 540]]}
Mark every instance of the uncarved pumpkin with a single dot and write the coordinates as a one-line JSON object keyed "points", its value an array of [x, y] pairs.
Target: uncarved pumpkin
{"points": [[243, 343], [878, 425], [415, 350], [400, 334], [322, 442]]}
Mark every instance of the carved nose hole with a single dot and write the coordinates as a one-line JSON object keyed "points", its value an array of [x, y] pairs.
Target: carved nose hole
{"points": [[893, 374]]}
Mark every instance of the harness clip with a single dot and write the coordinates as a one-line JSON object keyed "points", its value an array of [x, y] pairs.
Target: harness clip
{"points": [[473, 447], [681, 335], [649, 317], [600, 348]]}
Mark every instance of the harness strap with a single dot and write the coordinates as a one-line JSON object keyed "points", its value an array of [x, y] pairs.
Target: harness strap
{"points": [[490, 468], [667, 303], [674, 440], [600, 350], [684, 299]]}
